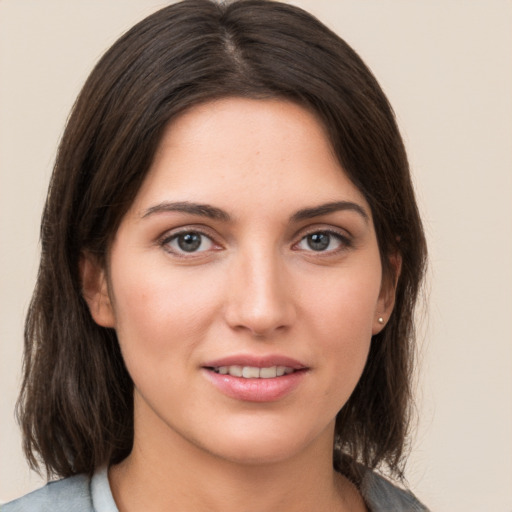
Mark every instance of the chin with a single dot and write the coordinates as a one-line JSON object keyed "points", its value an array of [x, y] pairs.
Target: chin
{"points": [[262, 446], [257, 454]]}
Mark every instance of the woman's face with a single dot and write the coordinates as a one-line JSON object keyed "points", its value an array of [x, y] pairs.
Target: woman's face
{"points": [[244, 284]]}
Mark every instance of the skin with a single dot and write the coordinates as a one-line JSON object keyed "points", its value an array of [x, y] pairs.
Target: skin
{"points": [[255, 286]]}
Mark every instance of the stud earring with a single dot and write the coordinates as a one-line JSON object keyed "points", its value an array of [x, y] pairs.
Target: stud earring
{"points": [[380, 320]]}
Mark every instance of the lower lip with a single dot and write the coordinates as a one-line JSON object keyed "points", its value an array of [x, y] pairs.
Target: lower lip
{"points": [[255, 390]]}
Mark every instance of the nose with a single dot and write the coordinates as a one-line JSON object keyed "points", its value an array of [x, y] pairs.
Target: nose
{"points": [[260, 295]]}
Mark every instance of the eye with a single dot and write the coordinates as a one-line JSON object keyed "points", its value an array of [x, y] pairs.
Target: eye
{"points": [[188, 242], [322, 241]]}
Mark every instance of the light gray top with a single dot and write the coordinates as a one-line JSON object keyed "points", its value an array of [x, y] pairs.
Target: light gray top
{"points": [[83, 494]]}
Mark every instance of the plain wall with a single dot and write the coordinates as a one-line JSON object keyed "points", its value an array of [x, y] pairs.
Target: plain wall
{"points": [[446, 66]]}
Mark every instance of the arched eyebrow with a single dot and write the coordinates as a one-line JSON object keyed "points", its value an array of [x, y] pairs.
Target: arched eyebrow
{"points": [[325, 209], [212, 212], [202, 210]]}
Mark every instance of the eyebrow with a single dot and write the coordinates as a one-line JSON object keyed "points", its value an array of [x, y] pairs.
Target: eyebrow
{"points": [[203, 210], [212, 212], [325, 209]]}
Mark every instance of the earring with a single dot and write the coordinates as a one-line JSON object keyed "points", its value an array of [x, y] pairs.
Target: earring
{"points": [[380, 320]]}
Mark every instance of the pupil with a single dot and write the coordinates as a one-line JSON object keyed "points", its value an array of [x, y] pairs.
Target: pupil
{"points": [[189, 242], [318, 241]]}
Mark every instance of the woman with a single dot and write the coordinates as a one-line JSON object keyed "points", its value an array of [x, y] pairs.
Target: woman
{"points": [[231, 255]]}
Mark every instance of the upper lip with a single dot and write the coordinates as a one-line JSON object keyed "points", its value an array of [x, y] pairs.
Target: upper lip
{"points": [[266, 361]]}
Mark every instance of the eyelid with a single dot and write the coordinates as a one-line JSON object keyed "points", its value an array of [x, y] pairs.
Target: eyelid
{"points": [[345, 238], [323, 228], [343, 235], [188, 228], [173, 233]]}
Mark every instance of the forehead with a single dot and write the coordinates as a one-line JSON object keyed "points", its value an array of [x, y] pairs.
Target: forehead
{"points": [[242, 152]]}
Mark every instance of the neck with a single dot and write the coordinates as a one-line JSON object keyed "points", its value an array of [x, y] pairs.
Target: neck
{"points": [[223, 486]]}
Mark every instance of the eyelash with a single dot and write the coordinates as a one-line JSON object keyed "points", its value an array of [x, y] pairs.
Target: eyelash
{"points": [[168, 239], [344, 241]]}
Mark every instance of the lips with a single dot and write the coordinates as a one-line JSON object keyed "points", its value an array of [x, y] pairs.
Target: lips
{"points": [[255, 379]]}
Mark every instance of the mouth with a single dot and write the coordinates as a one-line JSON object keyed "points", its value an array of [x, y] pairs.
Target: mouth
{"points": [[255, 379], [253, 372]]}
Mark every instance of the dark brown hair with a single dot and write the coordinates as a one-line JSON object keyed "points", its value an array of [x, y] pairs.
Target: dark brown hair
{"points": [[76, 406]]}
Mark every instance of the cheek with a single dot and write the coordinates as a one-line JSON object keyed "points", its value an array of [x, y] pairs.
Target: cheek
{"points": [[160, 313], [342, 319], [348, 301]]}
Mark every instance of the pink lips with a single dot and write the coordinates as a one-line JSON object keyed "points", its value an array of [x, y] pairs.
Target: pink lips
{"points": [[255, 389]]}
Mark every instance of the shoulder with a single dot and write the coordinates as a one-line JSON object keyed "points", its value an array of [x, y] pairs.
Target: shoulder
{"points": [[73, 493], [382, 496]]}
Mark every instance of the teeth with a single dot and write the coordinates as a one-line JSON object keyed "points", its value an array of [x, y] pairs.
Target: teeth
{"points": [[268, 373], [235, 371], [253, 372], [250, 372]]}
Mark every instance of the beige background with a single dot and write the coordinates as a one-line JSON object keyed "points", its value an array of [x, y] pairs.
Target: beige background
{"points": [[446, 66]]}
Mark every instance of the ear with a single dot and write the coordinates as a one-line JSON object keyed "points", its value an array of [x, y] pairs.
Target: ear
{"points": [[386, 300], [95, 290]]}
